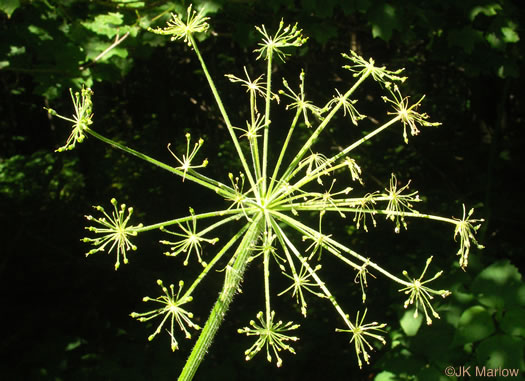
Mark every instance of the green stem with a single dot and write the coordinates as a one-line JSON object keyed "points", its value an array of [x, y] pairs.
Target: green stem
{"points": [[215, 259], [254, 147], [234, 275], [266, 264], [224, 114], [206, 182], [307, 230], [267, 120], [283, 151], [219, 213], [318, 280], [319, 170], [314, 207], [357, 144], [321, 127]]}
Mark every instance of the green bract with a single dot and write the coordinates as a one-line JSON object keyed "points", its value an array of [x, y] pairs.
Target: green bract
{"points": [[271, 201]]}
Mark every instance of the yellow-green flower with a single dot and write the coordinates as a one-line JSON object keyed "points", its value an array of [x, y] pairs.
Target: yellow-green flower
{"points": [[82, 117], [270, 334], [114, 230], [284, 37], [178, 29], [171, 308], [408, 114], [421, 294], [359, 333], [466, 229]]}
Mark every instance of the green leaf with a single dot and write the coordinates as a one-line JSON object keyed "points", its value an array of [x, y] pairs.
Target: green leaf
{"points": [[9, 6], [475, 324], [487, 10], [441, 335], [321, 8], [322, 32], [94, 47], [465, 38], [432, 374], [499, 285], [411, 324], [209, 7], [129, 3], [494, 41], [105, 24], [74, 344], [500, 273], [351, 6], [39, 32], [513, 322], [384, 20], [385, 376], [501, 351], [509, 35], [509, 69]]}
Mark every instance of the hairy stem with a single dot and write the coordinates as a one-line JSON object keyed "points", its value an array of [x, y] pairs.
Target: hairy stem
{"points": [[234, 275], [215, 259]]}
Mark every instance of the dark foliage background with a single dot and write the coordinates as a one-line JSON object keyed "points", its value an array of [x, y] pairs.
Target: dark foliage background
{"points": [[67, 317]]}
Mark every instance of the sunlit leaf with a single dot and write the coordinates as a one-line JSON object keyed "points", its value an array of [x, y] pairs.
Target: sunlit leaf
{"points": [[385, 376], [106, 25], [411, 324], [487, 10], [9, 6], [475, 324], [499, 285], [510, 35]]}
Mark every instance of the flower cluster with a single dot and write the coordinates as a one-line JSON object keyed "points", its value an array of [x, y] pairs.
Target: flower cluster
{"points": [[82, 118], [196, 22], [399, 203], [172, 310], [466, 229], [185, 161], [408, 114], [285, 37], [269, 210], [191, 242], [114, 231], [270, 335], [421, 294], [360, 332]]}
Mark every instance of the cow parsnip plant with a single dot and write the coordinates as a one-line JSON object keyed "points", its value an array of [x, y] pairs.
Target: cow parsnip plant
{"points": [[267, 201]]}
